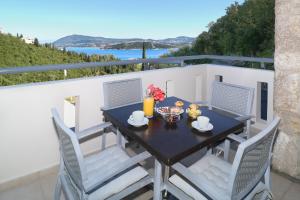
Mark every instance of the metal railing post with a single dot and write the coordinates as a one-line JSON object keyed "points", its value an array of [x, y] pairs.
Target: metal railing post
{"points": [[182, 64]]}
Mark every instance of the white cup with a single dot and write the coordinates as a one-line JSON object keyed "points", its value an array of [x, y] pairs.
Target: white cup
{"points": [[203, 122], [137, 116]]}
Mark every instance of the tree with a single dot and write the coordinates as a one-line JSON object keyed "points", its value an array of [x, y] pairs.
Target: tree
{"points": [[144, 51], [144, 56], [47, 45], [246, 30], [36, 42]]}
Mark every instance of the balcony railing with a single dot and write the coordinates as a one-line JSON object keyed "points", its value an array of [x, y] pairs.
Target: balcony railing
{"points": [[168, 60]]}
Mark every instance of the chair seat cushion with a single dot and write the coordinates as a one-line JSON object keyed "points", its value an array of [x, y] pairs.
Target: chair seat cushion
{"points": [[101, 164], [213, 174]]}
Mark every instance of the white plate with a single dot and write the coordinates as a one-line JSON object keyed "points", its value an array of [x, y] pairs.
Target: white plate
{"points": [[196, 126], [133, 123]]}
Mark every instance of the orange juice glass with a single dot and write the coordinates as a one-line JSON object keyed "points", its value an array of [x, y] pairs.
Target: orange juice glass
{"points": [[148, 106]]}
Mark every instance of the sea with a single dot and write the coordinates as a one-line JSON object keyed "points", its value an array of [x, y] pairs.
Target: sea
{"points": [[122, 54]]}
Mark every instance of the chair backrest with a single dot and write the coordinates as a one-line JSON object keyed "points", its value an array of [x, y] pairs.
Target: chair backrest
{"points": [[232, 98], [120, 93], [252, 159], [70, 150]]}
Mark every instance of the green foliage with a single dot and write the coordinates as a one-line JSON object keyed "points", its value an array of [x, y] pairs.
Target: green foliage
{"points": [[144, 56], [15, 52], [245, 30], [144, 51], [36, 42]]}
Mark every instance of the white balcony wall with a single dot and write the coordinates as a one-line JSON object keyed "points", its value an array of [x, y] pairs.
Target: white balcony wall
{"points": [[28, 141]]}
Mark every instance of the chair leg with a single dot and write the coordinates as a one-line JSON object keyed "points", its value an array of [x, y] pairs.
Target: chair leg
{"points": [[58, 186], [123, 142], [103, 143], [248, 129], [157, 181], [119, 138], [58, 189], [267, 178], [226, 149], [209, 151]]}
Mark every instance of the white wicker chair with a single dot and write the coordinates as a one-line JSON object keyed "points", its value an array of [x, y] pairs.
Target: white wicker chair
{"points": [[110, 174], [214, 178], [81, 136], [233, 100], [121, 93]]}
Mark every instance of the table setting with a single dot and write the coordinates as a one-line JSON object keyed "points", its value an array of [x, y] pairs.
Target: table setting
{"points": [[170, 113]]}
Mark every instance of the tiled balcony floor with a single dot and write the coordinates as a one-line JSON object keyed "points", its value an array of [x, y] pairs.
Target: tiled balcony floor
{"points": [[43, 188]]}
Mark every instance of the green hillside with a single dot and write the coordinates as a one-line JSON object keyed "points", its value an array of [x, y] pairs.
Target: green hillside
{"points": [[245, 30], [15, 52]]}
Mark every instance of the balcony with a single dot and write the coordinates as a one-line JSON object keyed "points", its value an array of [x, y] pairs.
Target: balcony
{"points": [[29, 148]]}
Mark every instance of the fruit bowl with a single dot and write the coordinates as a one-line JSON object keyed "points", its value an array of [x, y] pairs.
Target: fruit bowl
{"points": [[193, 113], [171, 118], [170, 114], [167, 110]]}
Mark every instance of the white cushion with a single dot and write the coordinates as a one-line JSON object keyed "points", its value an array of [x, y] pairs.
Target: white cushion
{"points": [[119, 183], [100, 165], [102, 162], [213, 173]]}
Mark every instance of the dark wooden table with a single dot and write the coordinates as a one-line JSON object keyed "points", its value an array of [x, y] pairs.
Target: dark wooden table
{"points": [[171, 143]]}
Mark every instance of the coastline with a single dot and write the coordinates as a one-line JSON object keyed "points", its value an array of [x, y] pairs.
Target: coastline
{"points": [[123, 54]]}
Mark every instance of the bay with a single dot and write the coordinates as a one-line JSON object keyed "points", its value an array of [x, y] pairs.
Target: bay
{"points": [[123, 54]]}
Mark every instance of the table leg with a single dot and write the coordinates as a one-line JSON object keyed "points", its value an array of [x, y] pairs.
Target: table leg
{"points": [[157, 181], [120, 139], [166, 178]]}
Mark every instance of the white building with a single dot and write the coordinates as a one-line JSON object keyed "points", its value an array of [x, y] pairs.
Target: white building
{"points": [[28, 40]]}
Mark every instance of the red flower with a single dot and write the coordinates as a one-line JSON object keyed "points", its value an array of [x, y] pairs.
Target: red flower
{"points": [[156, 93]]}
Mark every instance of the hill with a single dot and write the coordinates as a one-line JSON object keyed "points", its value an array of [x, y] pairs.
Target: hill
{"points": [[15, 52], [245, 30], [102, 42], [139, 45]]}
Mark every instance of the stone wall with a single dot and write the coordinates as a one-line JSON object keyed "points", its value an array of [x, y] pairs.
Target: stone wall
{"points": [[287, 87]]}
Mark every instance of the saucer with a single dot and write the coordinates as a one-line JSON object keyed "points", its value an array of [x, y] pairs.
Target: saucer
{"points": [[138, 124], [196, 126]]}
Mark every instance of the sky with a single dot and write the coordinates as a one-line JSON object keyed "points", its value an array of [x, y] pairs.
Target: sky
{"points": [[49, 20]]}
